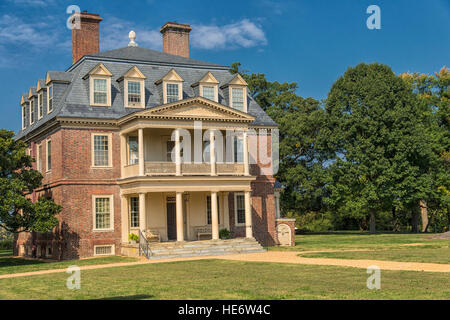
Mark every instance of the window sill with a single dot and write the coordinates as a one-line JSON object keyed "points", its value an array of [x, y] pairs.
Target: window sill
{"points": [[103, 230]]}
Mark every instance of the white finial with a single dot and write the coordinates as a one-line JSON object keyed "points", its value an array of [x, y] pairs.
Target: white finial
{"points": [[132, 36]]}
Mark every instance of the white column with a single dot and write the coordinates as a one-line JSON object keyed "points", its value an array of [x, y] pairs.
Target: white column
{"points": [[212, 152], [180, 223], [142, 213], [141, 152], [123, 154], [248, 216], [245, 147], [214, 216], [124, 217], [177, 152]]}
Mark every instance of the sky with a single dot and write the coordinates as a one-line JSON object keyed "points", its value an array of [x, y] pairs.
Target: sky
{"points": [[310, 42]]}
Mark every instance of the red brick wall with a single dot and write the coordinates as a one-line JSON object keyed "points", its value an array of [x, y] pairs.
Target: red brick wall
{"points": [[176, 41], [86, 40]]}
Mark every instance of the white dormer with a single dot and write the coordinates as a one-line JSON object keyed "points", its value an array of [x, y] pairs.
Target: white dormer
{"points": [[172, 87], [208, 87], [237, 93], [99, 86], [23, 103], [133, 88]]}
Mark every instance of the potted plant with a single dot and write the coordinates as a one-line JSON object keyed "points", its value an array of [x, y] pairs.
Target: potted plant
{"points": [[133, 238], [224, 234]]}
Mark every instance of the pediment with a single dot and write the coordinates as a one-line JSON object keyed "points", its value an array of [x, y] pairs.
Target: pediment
{"points": [[99, 70], [31, 93], [197, 108], [133, 73], [172, 75], [238, 81], [22, 100], [208, 78]]}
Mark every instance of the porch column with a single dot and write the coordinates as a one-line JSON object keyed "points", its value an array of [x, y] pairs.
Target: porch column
{"points": [[245, 147], [142, 215], [177, 152], [141, 152], [123, 154], [248, 216], [214, 216], [212, 152], [180, 223], [226, 213], [124, 217]]}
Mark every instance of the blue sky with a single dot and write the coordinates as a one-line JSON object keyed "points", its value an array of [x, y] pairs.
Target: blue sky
{"points": [[308, 42]]}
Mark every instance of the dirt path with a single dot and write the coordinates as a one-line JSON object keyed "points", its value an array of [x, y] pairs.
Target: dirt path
{"points": [[271, 257]]}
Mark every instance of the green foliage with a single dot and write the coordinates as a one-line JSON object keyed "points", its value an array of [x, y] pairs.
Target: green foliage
{"points": [[312, 221], [224, 234], [6, 244], [17, 181], [133, 237]]}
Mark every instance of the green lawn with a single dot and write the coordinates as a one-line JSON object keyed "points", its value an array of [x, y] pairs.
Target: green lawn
{"points": [[9, 264], [220, 279]]}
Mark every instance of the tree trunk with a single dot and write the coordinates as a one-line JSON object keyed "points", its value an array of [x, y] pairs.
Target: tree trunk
{"points": [[415, 221], [372, 222], [395, 224], [424, 214]]}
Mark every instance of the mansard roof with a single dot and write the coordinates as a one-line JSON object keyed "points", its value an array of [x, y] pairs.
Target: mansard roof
{"points": [[71, 90]]}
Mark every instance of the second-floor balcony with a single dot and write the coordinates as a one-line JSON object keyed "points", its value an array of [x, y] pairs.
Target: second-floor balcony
{"points": [[171, 152]]}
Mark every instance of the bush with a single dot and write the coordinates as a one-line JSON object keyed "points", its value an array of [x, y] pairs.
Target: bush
{"points": [[224, 234], [6, 244], [133, 237], [312, 221]]}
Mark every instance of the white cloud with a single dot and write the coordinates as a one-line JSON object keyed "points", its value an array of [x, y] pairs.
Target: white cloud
{"points": [[17, 32], [34, 3], [242, 34]]}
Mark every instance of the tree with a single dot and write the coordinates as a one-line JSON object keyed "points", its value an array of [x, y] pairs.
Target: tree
{"points": [[17, 182], [301, 169], [379, 154]]}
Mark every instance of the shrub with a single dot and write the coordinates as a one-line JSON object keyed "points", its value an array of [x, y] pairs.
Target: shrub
{"points": [[6, 244], [133, 237], [224, 234]]}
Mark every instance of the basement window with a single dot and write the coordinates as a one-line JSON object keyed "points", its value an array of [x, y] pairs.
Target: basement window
{"points": [[104, 250]]}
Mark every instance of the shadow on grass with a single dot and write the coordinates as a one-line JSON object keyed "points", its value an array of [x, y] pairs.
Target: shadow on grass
{"points": [[15, 262], [135, 297], [307, 233]]}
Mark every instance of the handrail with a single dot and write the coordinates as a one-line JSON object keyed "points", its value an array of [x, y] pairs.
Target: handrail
{"points": [[144, 247]]}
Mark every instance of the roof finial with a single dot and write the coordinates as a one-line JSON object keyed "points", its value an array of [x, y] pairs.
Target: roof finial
{"points": [[132, 36]]}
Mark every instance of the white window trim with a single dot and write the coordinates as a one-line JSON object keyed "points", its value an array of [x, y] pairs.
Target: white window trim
{"points": [[216, 90], [46, 156], [129, 214], [113, 250], [108, 90], [40, 103], [111, 212], [24, 120], [31, 106], [236, 194], [48, 98], [244, 93], [180, 90], [110, 154], [38, 158], [125, 89], [128, 150]]}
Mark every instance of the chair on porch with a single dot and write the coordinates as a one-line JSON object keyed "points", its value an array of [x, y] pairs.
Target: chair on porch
{"points": [[153, 235], [203, 231]]}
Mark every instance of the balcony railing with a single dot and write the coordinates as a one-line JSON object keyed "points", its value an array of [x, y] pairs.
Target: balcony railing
{"points": [[187, 169]]}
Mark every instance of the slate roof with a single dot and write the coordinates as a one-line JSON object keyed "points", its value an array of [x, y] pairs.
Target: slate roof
{"points": [[71, 95]]}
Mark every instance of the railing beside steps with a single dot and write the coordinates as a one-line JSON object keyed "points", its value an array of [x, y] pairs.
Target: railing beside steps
{"points": [[144, 247]]}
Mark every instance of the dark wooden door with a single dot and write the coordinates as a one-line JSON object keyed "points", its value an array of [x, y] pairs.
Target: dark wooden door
{"points": [[171, 221]]}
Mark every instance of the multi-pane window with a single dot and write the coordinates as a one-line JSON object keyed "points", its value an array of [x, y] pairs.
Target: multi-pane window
{"points": [[50, 99], [102, 213], [209, 93], [24, 114], [134, 92], [172, 92], [238, 98], [238, 149], [49, 155], [133, 150], [100, 91], [206, 151], [240, 209], [41, 104], [101, 150], [170, 145], [208, 209], [31, 111], [38, 158], [134, 212]]}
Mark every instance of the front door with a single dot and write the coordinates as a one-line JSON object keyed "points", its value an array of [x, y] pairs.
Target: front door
{"points": [[171, 220]]}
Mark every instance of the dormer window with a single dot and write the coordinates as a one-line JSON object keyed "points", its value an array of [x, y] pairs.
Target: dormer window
{"points": [[133, 88], [237, 93], [99, 86], [41, 105], [24, 123], [207, 87], [31, 112], [172, 87], [50, 99]]}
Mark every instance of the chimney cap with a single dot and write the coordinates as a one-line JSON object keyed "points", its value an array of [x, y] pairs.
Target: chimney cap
{"points": [[86, 16], [176, 26]]}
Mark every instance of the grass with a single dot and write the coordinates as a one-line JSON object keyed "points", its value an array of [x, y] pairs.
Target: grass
{"points": [[220, 279], [9, 264]]}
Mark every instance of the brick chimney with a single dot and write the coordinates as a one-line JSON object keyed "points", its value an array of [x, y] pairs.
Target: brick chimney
{"points": [[85, 36], [176, 38]]}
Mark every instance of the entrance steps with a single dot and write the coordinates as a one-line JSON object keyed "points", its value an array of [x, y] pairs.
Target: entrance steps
{"points": [[168, 250]]}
